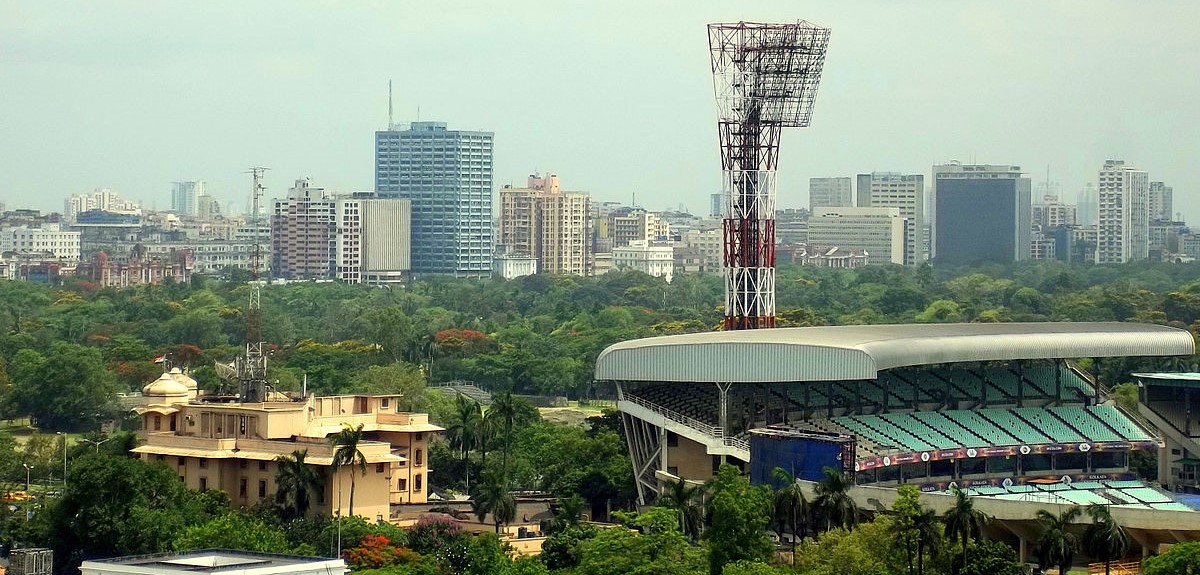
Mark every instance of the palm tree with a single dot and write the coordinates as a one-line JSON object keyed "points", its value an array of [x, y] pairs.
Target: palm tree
{"points": [[687, 499], [1057, 544], [928, 531], [485, 433], [963, 522], [1104, 539], [505, 408], [462, 432], [833, 500], [791, 505], [296, 483], [346, 453], [568, 513], [491, 496]]}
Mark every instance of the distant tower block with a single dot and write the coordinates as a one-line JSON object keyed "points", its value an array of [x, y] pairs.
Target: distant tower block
{"points": [[765, 77]]}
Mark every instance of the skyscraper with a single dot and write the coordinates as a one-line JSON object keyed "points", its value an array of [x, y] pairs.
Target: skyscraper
{"points": [[185, 197], [829, 193], [1161, 202], [903, 191], [981, 214], [1124, 233], [447, 174], [302, 233], [879, 232], [548, 224]]}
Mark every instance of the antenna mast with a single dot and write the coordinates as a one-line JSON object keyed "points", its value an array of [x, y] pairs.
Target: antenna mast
{"points": [[390, 121], [252, 366]]}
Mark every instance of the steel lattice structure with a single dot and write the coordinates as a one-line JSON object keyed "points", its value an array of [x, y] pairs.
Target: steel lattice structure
{"points": [[765, 77]]}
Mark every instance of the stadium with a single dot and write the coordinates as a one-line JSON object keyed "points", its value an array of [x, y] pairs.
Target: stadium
{"points": [[1003, 411]]}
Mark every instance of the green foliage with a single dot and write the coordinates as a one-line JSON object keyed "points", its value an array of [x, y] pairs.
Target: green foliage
{"points": [[66, 388], [1126, 395], [867, 550], [991, 558], [740, 514], [234, 531], [402, 378], [659, 548], [1180, 559]]}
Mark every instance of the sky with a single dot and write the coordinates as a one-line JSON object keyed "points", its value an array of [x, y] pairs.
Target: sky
{"points": [[615, 97]]}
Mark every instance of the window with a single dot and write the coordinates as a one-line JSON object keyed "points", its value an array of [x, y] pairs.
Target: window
{"points": [[203, 482], [672, 439], [157, 423], [242, 464], [379, 467], [420, 436], [242, 487], [262, 465], [203, 464], [417, 482], [262, 487], [402, 484], [182, 461], [420, 457], [385, 403]]}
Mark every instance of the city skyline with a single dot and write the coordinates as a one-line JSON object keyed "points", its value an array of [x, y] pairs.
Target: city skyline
{"points": [[140, 95]]}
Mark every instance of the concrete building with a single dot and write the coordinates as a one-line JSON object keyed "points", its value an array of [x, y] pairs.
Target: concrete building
{"points": [[1052, 213], [47, 242], [371, 239], [709, 245], [829, 193], [982, 213], [716, 205], [214, 562], [447, 174], [102, 199], [185, 197], [1088, 204], [302, 233], [636, 225], [1124, 232], [233, 446], [1162, 202], [511, 266], [880, 232], [646, 257], [905, 192], [548, 224]]}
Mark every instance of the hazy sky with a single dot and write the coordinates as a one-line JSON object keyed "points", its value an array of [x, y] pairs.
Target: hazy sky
{"points": [[614, 96]]}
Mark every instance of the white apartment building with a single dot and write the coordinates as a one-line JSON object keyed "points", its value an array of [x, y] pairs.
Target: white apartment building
{"points": [[710, 245], [1162, 204], [1052, 213], [372, 239], [644, 256], [637, 225], [548, 224], [100, 199], [185, 197], [829, 193], [1124, 231], [905, 192], [46, 242], [880, 232]]}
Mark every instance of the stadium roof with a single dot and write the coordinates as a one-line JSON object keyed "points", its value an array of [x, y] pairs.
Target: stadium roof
{"points": [[861, 351]]}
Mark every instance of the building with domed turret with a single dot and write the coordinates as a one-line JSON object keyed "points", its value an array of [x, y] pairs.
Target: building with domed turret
{"points": [[218, 443]]}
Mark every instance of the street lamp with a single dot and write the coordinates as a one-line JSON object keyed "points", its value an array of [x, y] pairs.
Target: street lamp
{"points": [[94, 442], [27, 468], [64, 449]]}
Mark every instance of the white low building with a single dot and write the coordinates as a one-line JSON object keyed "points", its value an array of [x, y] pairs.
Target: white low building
{"points": [[215, 561], [643, 256]]}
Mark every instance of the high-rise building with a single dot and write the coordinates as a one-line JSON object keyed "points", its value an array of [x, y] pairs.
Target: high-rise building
{"points": [[981, 213], [716, 205], [1087, 206], [1124, 233], [636, 225], [1161, 202], [447, 175], [905, 192], [102, 199], [548, 224], [371, 239], [302, 233], [1052, 213], [185, 197], [829, 193], [880, 232]]}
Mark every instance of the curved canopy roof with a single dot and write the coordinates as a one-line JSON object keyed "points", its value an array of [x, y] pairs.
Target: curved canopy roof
{"points": [[861, 351]]}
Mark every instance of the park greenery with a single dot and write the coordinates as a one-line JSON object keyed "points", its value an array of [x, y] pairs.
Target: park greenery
{"points": [[69, 352]]}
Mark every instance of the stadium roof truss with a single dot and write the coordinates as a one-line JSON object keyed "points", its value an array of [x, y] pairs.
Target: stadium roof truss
{"points": [[861, 352]]}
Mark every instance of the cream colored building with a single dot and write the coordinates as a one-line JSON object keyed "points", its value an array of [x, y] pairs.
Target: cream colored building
{"points": [[548, 224], [233, 446], [645, 257]]}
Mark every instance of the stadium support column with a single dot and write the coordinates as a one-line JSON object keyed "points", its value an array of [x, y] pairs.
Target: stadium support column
{"points": [[723, 398]]}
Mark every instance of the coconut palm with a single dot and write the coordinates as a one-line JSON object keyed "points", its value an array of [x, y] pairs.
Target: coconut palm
{"points": [[791, 506], [505, 410], [1104, 539], [568, 513], [491, 496], [346, 453], [963, 522], [462, 433], [928, 531], [1057, 544], [296, 483], [687, 499], [833, 500]]}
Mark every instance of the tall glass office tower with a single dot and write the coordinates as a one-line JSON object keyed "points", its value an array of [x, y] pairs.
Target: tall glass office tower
{"points": [[447, 174]]}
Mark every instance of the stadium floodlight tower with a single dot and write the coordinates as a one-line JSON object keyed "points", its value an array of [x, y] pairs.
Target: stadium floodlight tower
{"points": [[765, 77]]}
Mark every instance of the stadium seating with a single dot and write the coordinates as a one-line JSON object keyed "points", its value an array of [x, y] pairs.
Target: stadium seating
{"points": [[954, 430], [1092, 427], [1116, 420], [1045, 422], [980, 426], [915, 427], [1015, 426], [695, 401]]}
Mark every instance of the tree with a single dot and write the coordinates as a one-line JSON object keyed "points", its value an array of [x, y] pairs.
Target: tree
{"points": [[791, 506], [649, 544], [296, 484], [740, 514], [1180, 559], [347, 454], [832, 500], [234, 531], [1104, 539], [992, 558], [397, 378], [1057, 544], [462, 431], [568, 513], [964, 522], [917, 526], [491, 496], [687, 500], [67, 388], [505, 410]]}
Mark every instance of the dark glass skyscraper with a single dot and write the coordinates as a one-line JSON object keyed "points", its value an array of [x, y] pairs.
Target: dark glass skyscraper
{"points": [[981, 213], [447, 174]]}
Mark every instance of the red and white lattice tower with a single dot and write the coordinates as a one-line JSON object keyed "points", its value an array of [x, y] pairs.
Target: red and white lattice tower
{"points": [[765, 77]]}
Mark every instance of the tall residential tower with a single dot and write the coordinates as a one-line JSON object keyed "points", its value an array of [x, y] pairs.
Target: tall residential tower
{"points": [[903, 191], [1124, 233]]}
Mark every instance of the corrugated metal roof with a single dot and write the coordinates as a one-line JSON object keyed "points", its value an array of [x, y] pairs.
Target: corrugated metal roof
{"points": [[861, 351]]}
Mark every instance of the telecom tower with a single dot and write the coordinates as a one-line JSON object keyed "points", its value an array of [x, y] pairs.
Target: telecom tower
{"points": [[252, 366], [765, 77]]}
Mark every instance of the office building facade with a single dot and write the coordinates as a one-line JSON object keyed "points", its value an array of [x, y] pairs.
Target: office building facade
{"points": [[982, 213], [1124, 232], [371, 239], [879, 232], [905, 192], [1162, 204], [185, 197], [829, 193], [447, 175]]}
